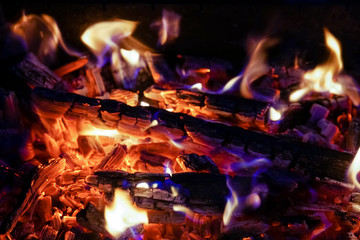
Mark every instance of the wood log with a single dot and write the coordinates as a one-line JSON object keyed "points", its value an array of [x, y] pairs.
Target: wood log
{"points": [[36, 74], [311, 160], [211, 106], [34, 186], [202, 193]]}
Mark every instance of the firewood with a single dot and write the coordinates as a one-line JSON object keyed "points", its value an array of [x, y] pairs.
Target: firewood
{"points": [[70, 67], [352, 141], [113, 159], [48, 233], [36, 74], [212, 106], [312, 160], [34, 186], [44, 208], [197, 163]]}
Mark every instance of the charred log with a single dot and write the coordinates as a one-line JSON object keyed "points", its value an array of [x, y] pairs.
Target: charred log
{"points": [[309, 159]]}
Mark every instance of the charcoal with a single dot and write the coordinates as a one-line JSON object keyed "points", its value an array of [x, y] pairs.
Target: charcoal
{"points": [[197, 163]]}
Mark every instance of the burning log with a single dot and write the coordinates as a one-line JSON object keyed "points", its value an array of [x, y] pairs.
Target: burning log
{"points": [[197, 163], [211, 106], [34, 187], [309, 159]]}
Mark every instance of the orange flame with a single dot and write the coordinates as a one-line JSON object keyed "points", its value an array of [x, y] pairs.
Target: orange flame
{"points": [[106, 36], [354, 170], [256, 68], [113, 38], [169, 27], [122, 214], [325, 77], [42, 35]]}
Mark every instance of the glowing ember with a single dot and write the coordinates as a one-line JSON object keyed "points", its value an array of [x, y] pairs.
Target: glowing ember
{"points": [[354, 170], [231, 204], [169, 27], [122, 214], [144, 104], [275, 115], [143, 185], [325, 77], [93, 131]]}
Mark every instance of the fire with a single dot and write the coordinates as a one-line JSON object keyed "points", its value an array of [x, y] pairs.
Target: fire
{"points": [[132, 56], [197, 86], [122, 214], [169, 27], [42, 35], [106, 36], [256, 68], [231, 204], [110, 38], [275, 115], [354, 170], [325, 77]]}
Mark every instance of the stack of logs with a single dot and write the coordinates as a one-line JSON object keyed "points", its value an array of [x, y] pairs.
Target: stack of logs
{"points": [[295, 189]]}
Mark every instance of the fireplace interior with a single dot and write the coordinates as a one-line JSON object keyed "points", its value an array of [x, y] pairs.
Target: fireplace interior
{"points": [[182, 120]]}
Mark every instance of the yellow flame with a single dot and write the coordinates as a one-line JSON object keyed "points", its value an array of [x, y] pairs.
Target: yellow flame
{"points": [[42, 36], [231, 204], [132, 56], [169, 26], [101, 36], [322, 78], [167, 168], [354, 170], [256, 68], [183, 209], [122, 214], [275, 115]]}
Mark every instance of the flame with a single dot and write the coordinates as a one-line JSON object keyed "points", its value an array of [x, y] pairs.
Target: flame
{"points": [[108, 40], [106, 36], [231, 204], [93, 131], [256, 68], [132, 56], [354, 170], [122, 214], [42, 35], [275, 115], [169, 26], [179, 208], [167, 168], [325, 77], [197, 86], [230, 84]]}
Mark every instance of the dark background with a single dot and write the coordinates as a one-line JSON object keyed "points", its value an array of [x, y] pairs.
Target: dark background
{"points": [[219, 28]]}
